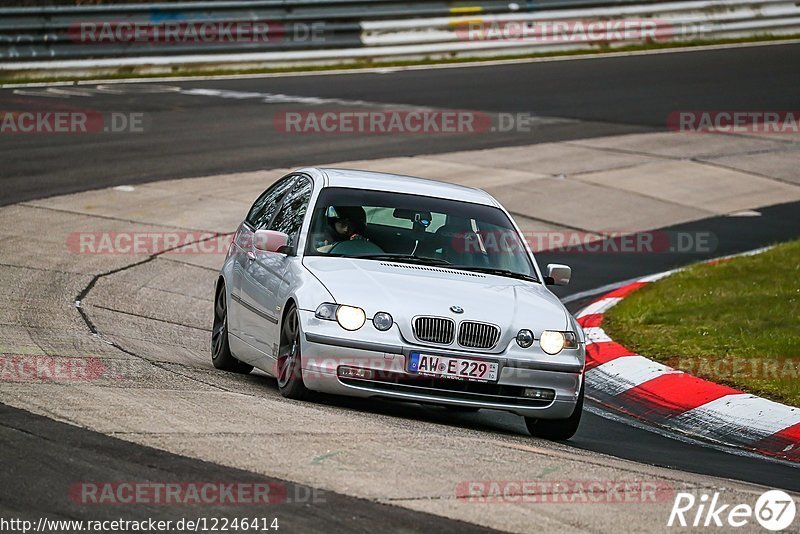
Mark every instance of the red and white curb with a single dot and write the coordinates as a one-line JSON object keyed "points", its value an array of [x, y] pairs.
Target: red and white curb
{"points": [[669, 398]]}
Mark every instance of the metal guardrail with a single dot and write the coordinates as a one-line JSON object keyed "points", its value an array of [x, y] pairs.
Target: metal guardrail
{"points": [[675, 21], [57, 32], [282, 32]]}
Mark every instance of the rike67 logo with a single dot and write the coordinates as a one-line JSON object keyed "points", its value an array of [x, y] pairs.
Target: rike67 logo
{"points": [[774, 510]]}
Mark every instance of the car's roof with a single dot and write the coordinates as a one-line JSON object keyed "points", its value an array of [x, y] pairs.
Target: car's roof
{"points": [[397, 183]]}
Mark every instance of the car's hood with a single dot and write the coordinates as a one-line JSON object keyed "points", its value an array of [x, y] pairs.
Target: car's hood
{"points": [[407, 290]]}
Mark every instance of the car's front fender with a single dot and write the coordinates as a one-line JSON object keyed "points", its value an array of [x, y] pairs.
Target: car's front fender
{"points": [[303, 288]]}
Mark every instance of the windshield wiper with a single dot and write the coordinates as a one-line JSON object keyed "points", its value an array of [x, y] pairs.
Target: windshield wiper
{"points": [[498, 272], [403, 258]]}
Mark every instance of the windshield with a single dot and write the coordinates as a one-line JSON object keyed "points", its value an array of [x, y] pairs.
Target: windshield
{"points": [[384, 226]]}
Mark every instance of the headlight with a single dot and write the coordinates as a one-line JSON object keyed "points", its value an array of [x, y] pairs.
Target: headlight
{"points": [[350, 317], [553, 342], [382, 321], [525, 338]]}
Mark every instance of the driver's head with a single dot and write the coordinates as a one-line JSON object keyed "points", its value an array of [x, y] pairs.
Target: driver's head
{"points": [[344, 221]]}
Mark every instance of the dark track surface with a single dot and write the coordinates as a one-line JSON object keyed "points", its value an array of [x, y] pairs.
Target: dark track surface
{"points": [[730, 235], [197, 135], [66, 455], [201, 135]]}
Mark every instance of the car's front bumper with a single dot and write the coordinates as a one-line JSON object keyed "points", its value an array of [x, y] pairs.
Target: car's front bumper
{"points": [[325, 348]]}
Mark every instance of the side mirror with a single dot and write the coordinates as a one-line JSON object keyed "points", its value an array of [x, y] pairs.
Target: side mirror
{"points": [[557, 274], [272, 241]]}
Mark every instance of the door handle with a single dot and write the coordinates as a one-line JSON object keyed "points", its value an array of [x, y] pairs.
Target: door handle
{"points": [[251, 255]]}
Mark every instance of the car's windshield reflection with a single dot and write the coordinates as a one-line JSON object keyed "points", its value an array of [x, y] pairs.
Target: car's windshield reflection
{"points": [[408, 228]]}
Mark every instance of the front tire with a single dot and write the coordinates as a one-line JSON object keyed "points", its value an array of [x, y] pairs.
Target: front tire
{"points": [[290, 366], [221, 355], [557, 429]]}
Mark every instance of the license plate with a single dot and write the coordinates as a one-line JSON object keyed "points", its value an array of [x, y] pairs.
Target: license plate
{"points": [[457, 368]]}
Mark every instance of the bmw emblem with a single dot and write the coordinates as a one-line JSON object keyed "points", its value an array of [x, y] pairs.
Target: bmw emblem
{"points": [[456, 309]]}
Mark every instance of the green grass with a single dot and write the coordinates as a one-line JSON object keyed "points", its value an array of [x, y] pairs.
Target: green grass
{"points": [[736, 322], [12, 77]]}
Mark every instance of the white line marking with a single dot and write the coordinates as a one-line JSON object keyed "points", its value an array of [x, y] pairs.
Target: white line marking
{"points": [[43, 92], [117, 89], [741, 413], [623, 373], [656, 277], [72, 91], [745, 213], [595, 334], [599, 307], [278, 98]]}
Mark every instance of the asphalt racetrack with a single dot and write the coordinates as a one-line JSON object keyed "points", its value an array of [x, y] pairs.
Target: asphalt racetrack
{"points": [[197, 135], [207, 127]]}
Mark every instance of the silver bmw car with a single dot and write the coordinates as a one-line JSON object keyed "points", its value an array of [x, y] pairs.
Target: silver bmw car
{"points": [[378, 285]]}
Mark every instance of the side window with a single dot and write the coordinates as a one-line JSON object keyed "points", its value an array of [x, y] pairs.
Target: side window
{"points": [[270, 200], [295, 204]]}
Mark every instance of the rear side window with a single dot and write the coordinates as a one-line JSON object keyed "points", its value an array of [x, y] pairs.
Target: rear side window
{"points": [[268, 203]]}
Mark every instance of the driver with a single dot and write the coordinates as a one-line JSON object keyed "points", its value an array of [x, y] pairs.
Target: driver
{"points": [[343, 223]]}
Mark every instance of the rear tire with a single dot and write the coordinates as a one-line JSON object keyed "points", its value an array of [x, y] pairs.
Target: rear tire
{"points": [[557, 429], [290, 364], [221, 355]]}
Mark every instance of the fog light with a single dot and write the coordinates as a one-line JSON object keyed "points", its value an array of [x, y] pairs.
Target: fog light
{"points": [[539, 394], [382, 321], [355, 372], [525, 338]]}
